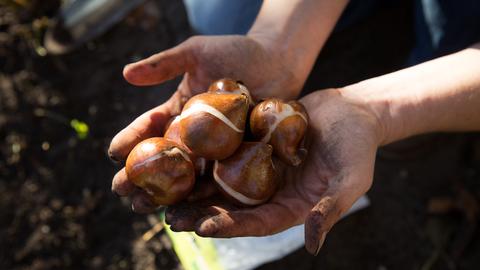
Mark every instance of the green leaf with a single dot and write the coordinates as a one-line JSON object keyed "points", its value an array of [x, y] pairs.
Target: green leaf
{"points": [[80, 127]]}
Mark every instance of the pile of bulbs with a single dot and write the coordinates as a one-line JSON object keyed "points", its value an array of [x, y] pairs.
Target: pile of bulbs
{"points": [[211, 129]]}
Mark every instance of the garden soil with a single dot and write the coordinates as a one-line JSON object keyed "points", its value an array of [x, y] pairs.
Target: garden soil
{"points": [[56, 207]]}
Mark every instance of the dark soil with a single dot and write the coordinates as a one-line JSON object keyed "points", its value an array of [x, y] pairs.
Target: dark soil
{"points": [[56, 208]]}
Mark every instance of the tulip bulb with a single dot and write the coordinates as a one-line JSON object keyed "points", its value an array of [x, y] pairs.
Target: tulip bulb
{"points": [[212, 125], [162, 168], [230, 86], [283, 125], [172, 133], [248, 176]]}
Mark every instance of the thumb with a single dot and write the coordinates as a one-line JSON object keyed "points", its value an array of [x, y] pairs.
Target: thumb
{"points": [[335, 202], [319, 222], [163, 66]]}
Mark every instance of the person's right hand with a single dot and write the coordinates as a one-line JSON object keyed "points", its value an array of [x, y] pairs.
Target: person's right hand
{"points": [[204, 59], [201, 59]]}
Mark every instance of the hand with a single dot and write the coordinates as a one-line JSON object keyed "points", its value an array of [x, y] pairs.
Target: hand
{"points": [[202, 60], [342, 142]]}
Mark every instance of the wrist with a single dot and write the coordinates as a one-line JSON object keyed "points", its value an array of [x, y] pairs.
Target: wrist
{"points": [[269, 43], [338, 107], [403, 108], [267, 39], [429, 97], [280, 60], [383, 107]]}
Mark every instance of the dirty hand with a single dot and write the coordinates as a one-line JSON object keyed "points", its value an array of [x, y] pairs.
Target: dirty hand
{"points": [[346, 127], [342, 142], [200, 60], [204, 59]]}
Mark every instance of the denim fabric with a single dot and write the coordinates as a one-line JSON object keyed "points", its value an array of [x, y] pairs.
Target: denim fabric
{"points": [[441, 26], [222, 17], [225, 17]]}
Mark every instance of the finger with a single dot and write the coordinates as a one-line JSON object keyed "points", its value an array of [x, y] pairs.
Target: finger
{"points": [[319, 221], [260, 221], [184, 216], [147, 125], [121, 185], [142, 202], [162, 66], [336, 201]]}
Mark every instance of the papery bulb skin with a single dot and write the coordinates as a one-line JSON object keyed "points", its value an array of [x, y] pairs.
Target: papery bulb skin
{"points": [[283, 125], [248, 176], [231, 86], [162, 168], [213, 125]]}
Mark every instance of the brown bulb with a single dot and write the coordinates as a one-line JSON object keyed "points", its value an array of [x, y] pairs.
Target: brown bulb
{"points": [[212, 125], [172, 133], [230, 86], [248, 176], [162, 168], [283, 125]]}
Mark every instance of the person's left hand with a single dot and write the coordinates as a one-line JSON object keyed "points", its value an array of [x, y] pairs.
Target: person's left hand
{"points": [[342, 142]]}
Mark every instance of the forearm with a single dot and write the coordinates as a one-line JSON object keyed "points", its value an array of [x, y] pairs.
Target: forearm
{"points": [[437, 96], [296, 30]]}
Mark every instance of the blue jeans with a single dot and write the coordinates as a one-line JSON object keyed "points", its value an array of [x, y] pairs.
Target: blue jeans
{"points": [[441, 26]]}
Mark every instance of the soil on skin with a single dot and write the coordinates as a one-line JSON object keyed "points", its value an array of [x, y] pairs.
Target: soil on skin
{"points": [[56, 208]]}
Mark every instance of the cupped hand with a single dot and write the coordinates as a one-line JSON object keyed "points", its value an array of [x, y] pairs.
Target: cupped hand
{"points": [[201, 60], [342, 142]]}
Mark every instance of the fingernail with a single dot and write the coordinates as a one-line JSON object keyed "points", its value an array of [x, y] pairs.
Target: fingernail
{"points": [[113, 158], [179, 225], [320, 243], [173, 227], [207, 228]]}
